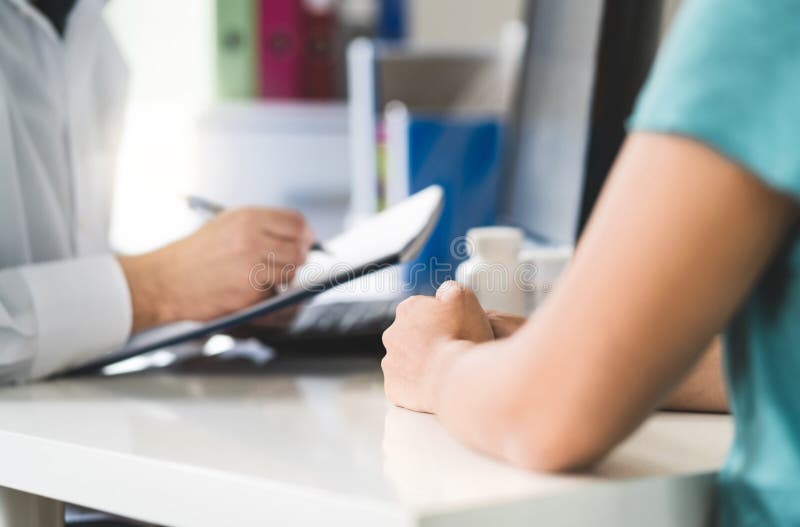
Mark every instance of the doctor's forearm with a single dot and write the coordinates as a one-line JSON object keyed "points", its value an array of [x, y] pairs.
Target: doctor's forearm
{"points": [[148, 299], [233, 261]]}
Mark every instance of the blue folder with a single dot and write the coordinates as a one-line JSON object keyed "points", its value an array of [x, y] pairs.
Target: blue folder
{"points": [[463, 156]]}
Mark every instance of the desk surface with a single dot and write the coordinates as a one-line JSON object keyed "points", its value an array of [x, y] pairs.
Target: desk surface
{"points": [[302, 446]]}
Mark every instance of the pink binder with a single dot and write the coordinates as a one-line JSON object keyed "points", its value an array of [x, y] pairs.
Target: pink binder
{"points": [[280, 52]]}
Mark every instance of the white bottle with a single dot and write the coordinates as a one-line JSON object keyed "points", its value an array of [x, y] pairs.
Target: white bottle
{"points": [[540, 268], [491, 270]]}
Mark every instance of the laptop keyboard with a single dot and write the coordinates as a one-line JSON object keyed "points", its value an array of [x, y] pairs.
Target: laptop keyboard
{"points": [[344, 319]]}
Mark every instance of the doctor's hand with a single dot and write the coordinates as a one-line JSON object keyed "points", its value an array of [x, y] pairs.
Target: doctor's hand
{"points": [[425, 337], [235, 260]]}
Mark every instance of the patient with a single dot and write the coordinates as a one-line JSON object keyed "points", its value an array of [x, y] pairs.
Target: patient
{"points": [[695, 234]]}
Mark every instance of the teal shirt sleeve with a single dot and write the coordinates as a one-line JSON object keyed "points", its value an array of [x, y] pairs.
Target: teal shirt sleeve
{"points": [[728, 75]]}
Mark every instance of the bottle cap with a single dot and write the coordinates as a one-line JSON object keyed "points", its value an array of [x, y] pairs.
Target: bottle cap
{"points": [[490, 241]]}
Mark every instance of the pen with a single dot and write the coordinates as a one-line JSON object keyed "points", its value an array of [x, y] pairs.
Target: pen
{"points": [[199, 204]]}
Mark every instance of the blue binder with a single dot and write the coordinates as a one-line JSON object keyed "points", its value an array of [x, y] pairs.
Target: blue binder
{"points": [[463, 156], [392, 20]]}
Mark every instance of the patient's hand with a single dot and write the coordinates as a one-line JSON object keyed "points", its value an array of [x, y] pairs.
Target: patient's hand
{"points": [[504, 324], [423, 339]]}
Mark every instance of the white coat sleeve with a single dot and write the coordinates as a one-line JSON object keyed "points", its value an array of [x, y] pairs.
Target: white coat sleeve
{"points": [[61, 314], [57, 314]]}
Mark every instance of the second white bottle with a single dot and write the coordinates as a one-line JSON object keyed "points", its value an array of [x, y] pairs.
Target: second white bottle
{"points": [[491, 267]]}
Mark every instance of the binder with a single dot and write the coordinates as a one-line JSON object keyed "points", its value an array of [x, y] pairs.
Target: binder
{"points": [[392, 20], [429, 82], [460, 154], [280, 51], [319, 51], [236, 49]]}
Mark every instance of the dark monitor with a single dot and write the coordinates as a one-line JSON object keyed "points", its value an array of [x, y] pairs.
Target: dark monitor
{"points": [[584, 64]]}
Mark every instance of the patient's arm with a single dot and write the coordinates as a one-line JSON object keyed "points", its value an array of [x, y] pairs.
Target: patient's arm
{"points": [[679, 237], [504, 324], [702, 390], [677, 241]]}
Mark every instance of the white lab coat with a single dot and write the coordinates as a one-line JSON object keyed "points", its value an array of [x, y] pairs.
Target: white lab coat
{"points": [[63, 296]]}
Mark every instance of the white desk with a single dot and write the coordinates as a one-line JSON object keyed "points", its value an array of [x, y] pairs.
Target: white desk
{"points": [[306, 448]]}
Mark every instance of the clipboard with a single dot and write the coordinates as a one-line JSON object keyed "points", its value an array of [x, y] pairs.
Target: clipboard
{"points": [[394, 236]]}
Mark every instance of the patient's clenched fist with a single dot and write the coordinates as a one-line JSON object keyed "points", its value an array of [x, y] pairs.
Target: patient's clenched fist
{"points": [[427, 332]]}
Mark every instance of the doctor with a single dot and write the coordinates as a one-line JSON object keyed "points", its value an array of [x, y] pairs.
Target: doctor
{"points": [[64, 297]]}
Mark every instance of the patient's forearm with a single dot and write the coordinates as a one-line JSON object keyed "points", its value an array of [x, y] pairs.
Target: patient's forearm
{"points": [[703, 390]]}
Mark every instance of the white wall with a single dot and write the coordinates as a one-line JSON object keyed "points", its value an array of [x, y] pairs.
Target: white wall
{"points": [[168, 45], [461, 22]]}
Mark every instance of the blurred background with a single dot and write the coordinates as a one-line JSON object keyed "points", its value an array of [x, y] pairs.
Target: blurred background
{"points": [[340, 108], [201, 120]]}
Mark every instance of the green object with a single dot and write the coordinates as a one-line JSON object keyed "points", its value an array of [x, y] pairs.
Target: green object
{"points": [[236, 49], [729, 77]]}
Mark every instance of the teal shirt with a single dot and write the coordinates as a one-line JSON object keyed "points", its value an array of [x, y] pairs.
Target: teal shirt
{"points": [[729, 76]]}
